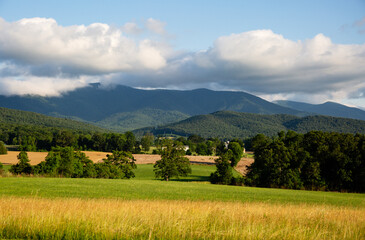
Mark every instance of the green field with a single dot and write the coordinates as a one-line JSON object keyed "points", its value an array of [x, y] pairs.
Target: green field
{"points": [[186, 208], [145, 186]]}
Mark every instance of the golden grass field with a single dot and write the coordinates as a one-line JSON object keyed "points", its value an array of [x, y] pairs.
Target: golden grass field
{"points": [[167, 219], [37, 157]]}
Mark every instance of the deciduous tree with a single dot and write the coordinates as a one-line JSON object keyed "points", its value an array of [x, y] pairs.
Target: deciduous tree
{"points": [[172, 163]]}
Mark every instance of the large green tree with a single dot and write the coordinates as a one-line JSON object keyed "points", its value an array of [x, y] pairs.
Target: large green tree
{"points": [[172, 163]]}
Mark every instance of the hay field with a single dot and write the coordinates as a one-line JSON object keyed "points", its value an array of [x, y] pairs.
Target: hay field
{"points": [[37, 157], [171, 219]]}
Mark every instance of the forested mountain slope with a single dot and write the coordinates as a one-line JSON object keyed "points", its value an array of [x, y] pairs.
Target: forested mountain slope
{"points": [[24, 118], [127, 121], [228, 124]]}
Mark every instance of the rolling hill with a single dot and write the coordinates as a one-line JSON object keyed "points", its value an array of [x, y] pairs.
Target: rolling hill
{"points": [[228, 124], [24, 118]]}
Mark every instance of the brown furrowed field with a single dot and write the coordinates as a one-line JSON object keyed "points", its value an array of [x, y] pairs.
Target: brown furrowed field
{"points": [[168, 219], [37, 157]]}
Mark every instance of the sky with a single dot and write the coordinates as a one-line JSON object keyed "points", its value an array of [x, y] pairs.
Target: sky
{"points": [[310, 51]]}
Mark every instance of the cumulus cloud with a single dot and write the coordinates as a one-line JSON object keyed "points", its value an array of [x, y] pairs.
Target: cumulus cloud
{"points": [[97, 48], [267, 62]]}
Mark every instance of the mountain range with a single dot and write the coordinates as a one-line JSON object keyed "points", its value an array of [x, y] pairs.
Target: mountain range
{"points": [[124, 108]]}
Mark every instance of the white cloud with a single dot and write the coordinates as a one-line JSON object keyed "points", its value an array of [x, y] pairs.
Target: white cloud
{"points": [[267, 62], [44, 86], [97, 48]]}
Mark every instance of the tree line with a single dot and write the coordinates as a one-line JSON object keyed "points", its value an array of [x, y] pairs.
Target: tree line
{"points": [[34, 138], [65, 162]]}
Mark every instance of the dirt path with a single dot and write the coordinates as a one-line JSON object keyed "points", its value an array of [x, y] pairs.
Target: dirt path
{"points": [[37, 157]]}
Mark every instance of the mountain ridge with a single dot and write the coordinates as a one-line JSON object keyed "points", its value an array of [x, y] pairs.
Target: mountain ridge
{"points": [[121, 108], [327, 108], [95, 104]]}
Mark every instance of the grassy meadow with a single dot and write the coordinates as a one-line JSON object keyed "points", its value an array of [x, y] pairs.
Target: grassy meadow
{"points": [[188, 208]]}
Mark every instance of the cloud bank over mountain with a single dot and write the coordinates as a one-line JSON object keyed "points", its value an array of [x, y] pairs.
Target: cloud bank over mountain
{"points": [[39, 56]]}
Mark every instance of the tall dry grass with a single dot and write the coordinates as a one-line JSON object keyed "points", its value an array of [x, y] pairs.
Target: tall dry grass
{"points": [[146, 219]]}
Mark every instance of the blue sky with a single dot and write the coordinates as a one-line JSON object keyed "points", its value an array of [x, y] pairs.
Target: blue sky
{"points": [[195, 24], [187, 44]]}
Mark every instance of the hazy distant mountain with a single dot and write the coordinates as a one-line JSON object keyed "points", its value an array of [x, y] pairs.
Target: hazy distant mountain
{"points": [[327, 108], [227, 124], [95, 104]]}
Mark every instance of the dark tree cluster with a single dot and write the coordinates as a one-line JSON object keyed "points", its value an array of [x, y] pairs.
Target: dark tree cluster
{"points": [[315, 161], [65, 162], [33, 138]]}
